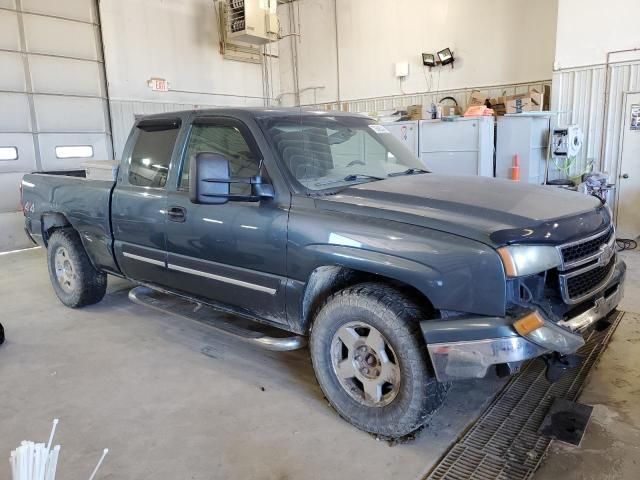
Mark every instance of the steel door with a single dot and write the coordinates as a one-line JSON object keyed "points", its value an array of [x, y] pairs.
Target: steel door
{"points": [[232, 253], [628, 213]]}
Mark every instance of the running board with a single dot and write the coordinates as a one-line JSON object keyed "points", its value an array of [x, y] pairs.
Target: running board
{"points": [[264, 336]]}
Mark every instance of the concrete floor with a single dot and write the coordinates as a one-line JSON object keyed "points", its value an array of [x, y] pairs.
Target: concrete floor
{"points": [[610, 448], [121, 376]]}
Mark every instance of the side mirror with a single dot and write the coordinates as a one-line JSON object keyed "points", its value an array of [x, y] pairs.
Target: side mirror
{"points": [[209, 182]]}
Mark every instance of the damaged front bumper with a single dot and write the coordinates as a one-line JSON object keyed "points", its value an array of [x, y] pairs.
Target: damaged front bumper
{"points": [[466, 347]]}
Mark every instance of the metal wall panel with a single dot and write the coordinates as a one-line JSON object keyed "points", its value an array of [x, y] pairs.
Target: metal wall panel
{"points": [[579, 94], [26, 154], [16, 116], [49, 141], [12, 78], [64, 76], [80, 114], [54, 36], [72, 9], [9, 33], [52, 87]]}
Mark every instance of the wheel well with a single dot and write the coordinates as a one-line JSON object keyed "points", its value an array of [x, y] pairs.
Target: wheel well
{"points": [[327, 280], [52, 222]]}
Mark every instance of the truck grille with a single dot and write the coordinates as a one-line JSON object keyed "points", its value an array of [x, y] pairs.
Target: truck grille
{"points": [[579, 251], [583, 284]]}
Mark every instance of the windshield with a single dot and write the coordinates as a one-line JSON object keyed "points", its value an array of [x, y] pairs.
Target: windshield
{"points": [[325, 152]]}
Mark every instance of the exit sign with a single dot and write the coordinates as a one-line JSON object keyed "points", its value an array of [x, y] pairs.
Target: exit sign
{"points": [[158, 84]]}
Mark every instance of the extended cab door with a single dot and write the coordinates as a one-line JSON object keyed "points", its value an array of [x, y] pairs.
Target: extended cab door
{"points": [[232, 253], [139, 200]]}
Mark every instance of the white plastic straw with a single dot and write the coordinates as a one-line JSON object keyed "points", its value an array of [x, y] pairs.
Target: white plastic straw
{"points": [[53, 431], [95, 470]]}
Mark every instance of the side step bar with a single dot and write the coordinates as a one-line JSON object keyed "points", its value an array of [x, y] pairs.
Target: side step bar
{"points": [[264, 336]]}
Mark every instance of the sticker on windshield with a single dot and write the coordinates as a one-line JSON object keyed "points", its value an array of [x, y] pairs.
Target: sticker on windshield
{"points": [[378, 129]]}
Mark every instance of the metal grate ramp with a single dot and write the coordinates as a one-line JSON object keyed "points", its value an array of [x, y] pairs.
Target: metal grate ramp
{"points": [[504, 443]]}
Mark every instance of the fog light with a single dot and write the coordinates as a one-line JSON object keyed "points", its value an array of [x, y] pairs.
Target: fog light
{"points": [[528, 323]]}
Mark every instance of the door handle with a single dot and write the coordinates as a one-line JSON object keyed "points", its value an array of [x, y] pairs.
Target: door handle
{"points": [[177, 214], [625, 175]]}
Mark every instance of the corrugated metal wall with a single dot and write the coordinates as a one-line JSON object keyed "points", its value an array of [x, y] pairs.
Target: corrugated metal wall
{"points": [[579, 94], [382, 104]]}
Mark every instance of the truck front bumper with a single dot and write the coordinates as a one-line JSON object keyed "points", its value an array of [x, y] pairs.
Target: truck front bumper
{"points": [[466, 347]]}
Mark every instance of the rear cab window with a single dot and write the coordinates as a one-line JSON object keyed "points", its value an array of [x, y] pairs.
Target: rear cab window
{"points": [[151, 154]]}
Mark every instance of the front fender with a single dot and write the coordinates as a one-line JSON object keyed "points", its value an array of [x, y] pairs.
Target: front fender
{"points": [[455, 283]]}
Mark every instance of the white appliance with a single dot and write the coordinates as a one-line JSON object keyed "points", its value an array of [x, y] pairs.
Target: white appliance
{"points": [[252, 21], [525, 135], [463, 146], [407, 132]]}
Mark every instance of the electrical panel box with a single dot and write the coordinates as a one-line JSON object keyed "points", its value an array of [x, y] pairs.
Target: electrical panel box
{"points": [[407, 133], [252, 21], [460, 147], [528, 137]]}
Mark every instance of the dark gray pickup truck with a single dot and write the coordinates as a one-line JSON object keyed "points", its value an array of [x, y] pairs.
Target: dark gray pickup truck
{"points": [[322, 224]]}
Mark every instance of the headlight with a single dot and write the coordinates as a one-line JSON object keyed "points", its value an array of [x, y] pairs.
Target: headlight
{"points": [[521, 260]]}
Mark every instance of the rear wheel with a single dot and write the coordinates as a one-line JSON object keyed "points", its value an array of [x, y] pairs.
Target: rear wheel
{"points": [[76, 282], [371, 360]]}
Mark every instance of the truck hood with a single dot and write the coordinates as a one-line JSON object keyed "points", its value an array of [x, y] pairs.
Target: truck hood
{"points": [[493, 211]]}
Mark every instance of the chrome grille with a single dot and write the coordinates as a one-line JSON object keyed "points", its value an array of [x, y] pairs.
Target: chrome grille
{"points": [[580, 284], [585, 250]]}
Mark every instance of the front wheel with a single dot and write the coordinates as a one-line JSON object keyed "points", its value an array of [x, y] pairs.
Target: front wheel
{"points": [[75, 280], [371, 360]]}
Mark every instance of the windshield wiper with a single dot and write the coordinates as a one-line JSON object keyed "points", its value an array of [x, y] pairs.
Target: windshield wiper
{"points": [[355, 176], [409, 171], [349, 178]]}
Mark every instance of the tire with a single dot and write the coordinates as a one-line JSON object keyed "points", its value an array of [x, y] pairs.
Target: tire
{"points": [[76, 282], [1, 334], [390, 409]]}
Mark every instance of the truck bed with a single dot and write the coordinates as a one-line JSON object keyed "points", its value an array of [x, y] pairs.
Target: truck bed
{"points": [[50, 198]]}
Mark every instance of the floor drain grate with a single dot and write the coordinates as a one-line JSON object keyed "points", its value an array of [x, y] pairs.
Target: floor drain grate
{"points": [[504, 443]]}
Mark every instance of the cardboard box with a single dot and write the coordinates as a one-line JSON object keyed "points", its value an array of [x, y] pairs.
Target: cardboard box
{"points": [[531, 101], [477, 98], [498, 105], [418, 112], [450, 110]]}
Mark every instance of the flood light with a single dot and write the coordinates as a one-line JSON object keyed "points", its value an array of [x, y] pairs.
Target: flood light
{"points": [[445, 56], [428, 60]]}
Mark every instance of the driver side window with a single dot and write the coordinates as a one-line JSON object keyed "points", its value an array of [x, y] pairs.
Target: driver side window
{"points": [[228, 141]]}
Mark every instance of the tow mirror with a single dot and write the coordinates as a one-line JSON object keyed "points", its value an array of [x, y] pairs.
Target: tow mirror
{"points": [[209, 182]]}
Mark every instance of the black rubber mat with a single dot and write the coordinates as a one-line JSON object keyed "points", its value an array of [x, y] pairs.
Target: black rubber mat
{"points": [[504, 442]]}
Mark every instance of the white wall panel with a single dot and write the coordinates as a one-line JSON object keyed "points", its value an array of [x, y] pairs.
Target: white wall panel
{"points": [[60, 37], [15, 115], [66, 76], [9, 33], [75, 9], [26, 155], [69, 114], [12, 72]]}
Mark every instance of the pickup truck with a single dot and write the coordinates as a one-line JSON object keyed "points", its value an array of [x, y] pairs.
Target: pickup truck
{"points": [[324, 225]]}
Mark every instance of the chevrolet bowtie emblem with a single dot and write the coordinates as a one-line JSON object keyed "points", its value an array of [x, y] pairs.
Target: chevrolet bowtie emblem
{"points": [[606, 252]]}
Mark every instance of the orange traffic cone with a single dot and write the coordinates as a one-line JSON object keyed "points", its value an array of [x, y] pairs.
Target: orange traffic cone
{"points": [[515, 170]]}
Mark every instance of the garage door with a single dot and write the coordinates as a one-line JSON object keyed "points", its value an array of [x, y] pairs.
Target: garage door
{"points": [[53, 107]]}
